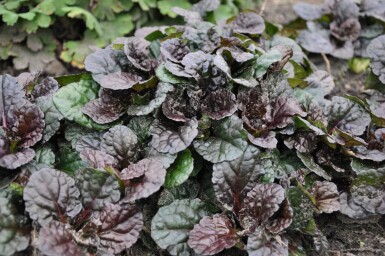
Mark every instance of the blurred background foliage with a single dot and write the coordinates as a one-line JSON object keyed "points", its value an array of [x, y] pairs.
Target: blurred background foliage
{"points": [[55, 35]]}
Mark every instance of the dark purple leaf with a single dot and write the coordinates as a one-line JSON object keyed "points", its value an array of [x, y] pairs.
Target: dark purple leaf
{"points": [[204, 6], [56, 239], [174, 49], [347, 116], [47, 87], [282, 220], [326, 195], [248, 23], [304, 142], [197, 63], [261, 203], [118, 227], [232, 180], [27, 123], [262, 244], [143, 179], [51, 194], [343, 51], [121, 143], [12, 94], [137, 51], [315, 41], [104, 62], [265, 140], [284, 109], [350, 208], [347, 30], [97, 159], [15, 160], [172, 142], [88, 141], [102, 113], [376, 51], [212, 235], [177, 106], [370, 198], [121, 80], [28, 80], [219, 104], [309, 11], [321, 244], [176, 70], [345, 9]]}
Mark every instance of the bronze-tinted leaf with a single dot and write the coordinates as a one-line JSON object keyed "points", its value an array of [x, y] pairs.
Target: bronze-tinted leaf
{"points": [[212, 235], [219, 104], [97, 158], [56, 239], [261, 203], [168, 141], [232, 180], [51, 194], [118, 227], [143, 179], [326, 195], [248, 22]]}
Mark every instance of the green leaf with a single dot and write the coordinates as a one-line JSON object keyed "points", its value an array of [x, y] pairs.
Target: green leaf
{"points": [[373, 82], [97, 188], [45, 155], [52, 116], [180, 170], [145, 5], [368, 173], [302, 208], [141, 125], [12, 229], [228, 144], [106, 9], [10, 18], [70, 99], [358, 65], [309, 162], [165, 76], [172, 223], [165, 6], [265, 60], [46, 7], [28, 15], [67, 79], [69, 160], [118, 27]]}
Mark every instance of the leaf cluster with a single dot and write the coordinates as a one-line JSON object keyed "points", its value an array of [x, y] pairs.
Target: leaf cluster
{"points": [[195, 139]]}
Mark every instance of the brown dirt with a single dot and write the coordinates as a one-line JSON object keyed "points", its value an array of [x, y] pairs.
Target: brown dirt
{"points": [[353, 238]]}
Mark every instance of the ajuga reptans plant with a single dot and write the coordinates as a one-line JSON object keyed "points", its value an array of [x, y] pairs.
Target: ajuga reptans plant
{"points": [[201, 139]]}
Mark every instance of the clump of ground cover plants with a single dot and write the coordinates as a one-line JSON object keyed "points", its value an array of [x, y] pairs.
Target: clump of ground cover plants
{"points": [[196, 139]]}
